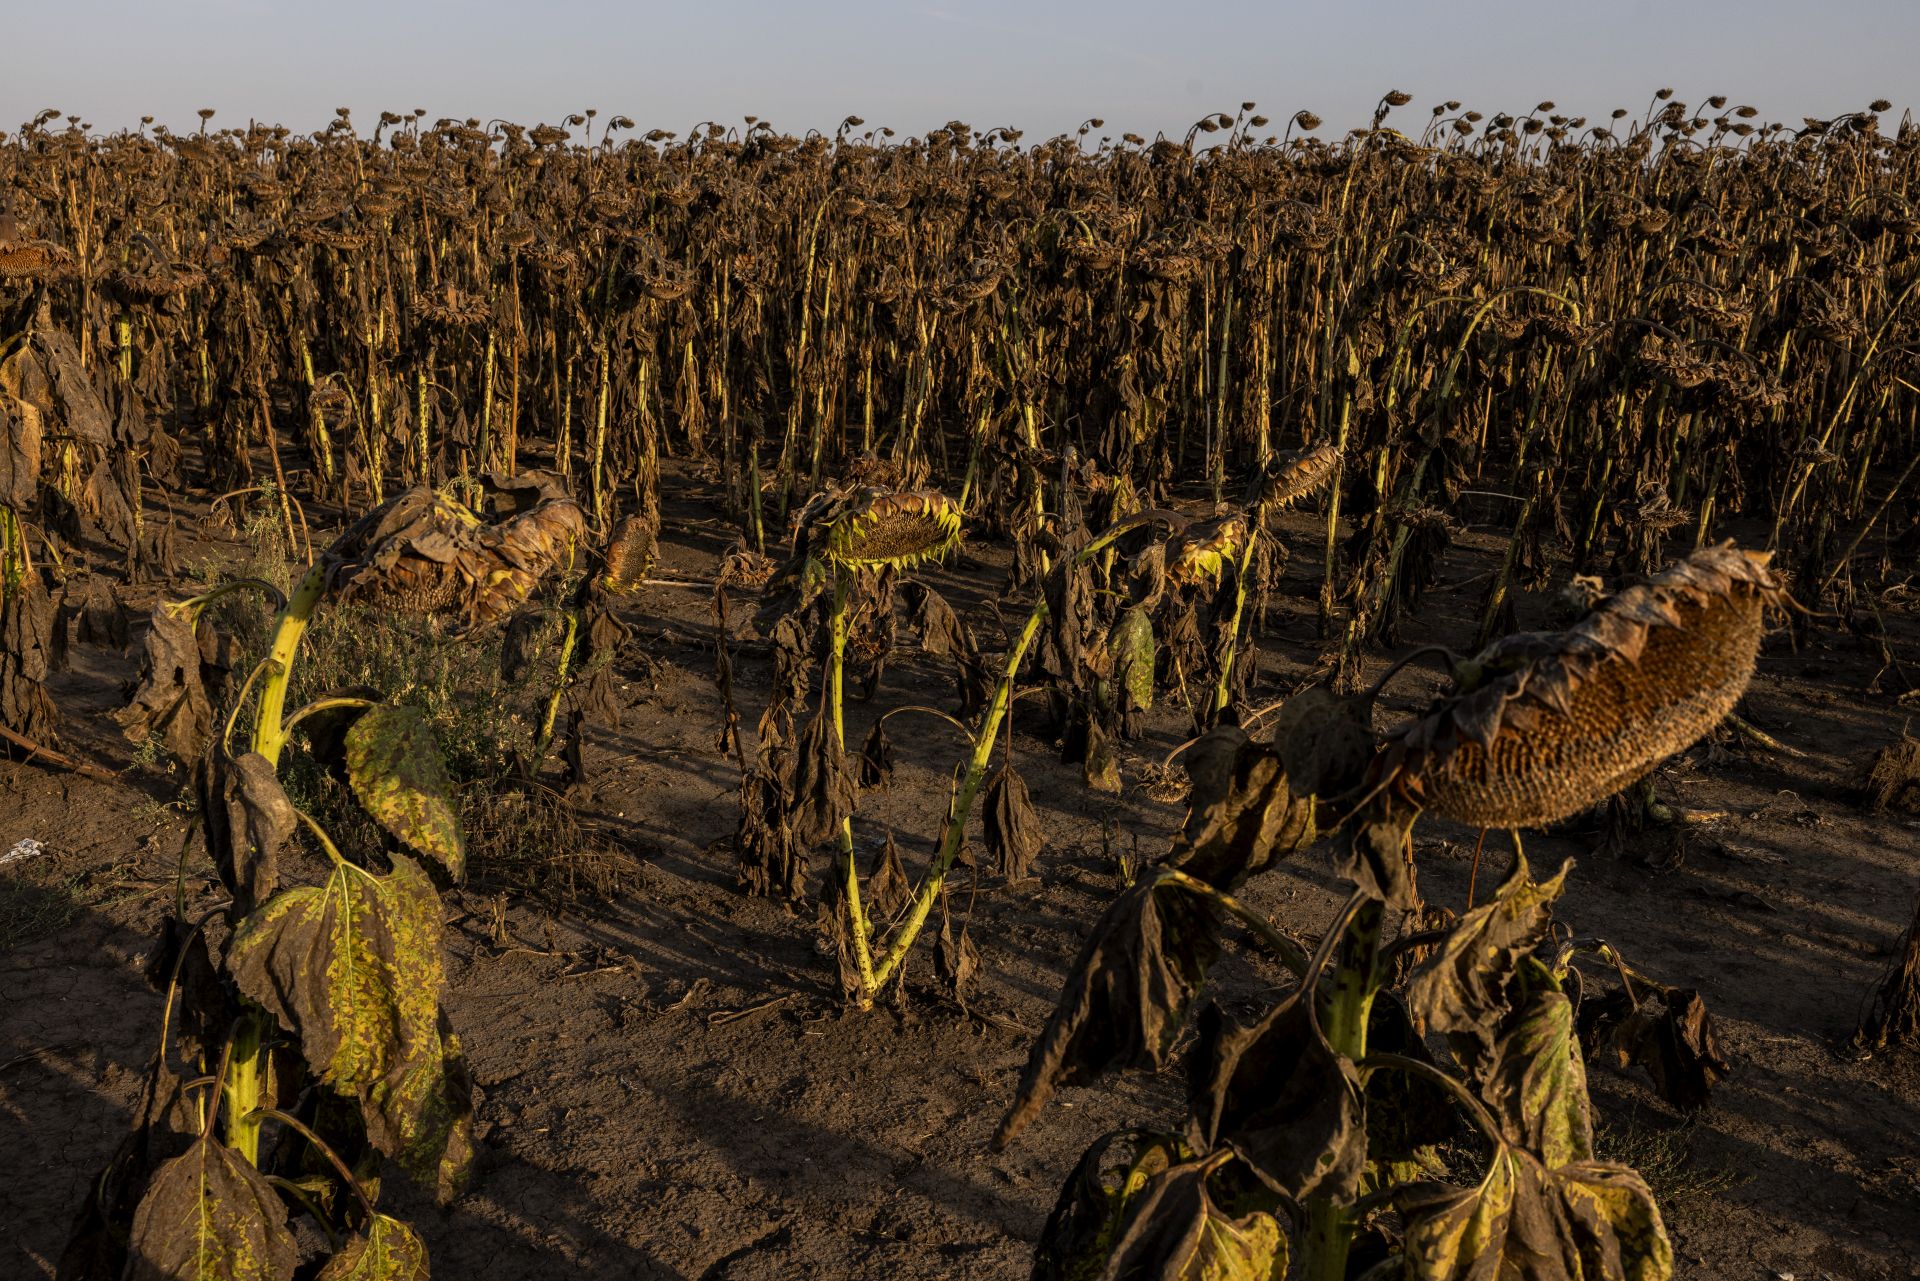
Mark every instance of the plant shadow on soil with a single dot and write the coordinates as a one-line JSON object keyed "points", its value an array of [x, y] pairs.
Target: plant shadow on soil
{"points": [[671, 1091]]}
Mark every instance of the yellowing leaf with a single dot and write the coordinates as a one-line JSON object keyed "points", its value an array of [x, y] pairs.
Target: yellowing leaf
{"points": [[421, 1114], [209, 1216], [1538, 1086], [352, 967], [1131, 645], [387, 1250], [1587, 1221], [397, 773]]}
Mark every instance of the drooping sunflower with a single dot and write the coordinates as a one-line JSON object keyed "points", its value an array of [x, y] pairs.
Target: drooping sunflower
{"points": [[424, 552], [1200, 551], [1544, 724], [872, 527]]}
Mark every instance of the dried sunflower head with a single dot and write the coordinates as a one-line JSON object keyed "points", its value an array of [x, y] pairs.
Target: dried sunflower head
{"points": [[629, 554], [1291, 476], [1200, 551], [35, 260], [873, 527], [1544, 724], [423, 552]]}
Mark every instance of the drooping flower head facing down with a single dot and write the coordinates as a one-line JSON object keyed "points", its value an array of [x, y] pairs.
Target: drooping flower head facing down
{"points": [[1544, 724], [630, 554], [872, 527], [423, 552], [1199, 552], [1291, 476]]}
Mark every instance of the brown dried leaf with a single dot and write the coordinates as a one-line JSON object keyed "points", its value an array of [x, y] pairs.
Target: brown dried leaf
{"points": [[248, 818], [876, 757], [1668, 1031], [955, 959], [1283, 1098], [1470, 988], [1014, 837], [1242, 815], [1124, 1000], [171, 697], [819, 786], [20, 437], [1327, 742], [888, 890]]}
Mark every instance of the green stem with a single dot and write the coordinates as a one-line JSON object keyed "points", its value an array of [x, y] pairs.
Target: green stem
{"points": [[269, 736], [1343, 1021], [858, 926], [559, 685], [1222, 690], [954, 834], [245, 1079]]}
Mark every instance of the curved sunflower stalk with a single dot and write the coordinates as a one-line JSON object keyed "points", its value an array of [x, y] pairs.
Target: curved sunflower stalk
{"points": [[866, 528], [1311, 1138], [318, 1029]]}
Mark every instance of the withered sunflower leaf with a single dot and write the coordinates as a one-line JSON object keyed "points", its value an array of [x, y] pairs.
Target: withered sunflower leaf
{"points": [[171, 698], [1014, 837], [1132, 646], [1405, 1113], [204, 1006], [876, 757], [1668, 1032], [1528, 1223], [396, 771], [1375, 857], [941, 632], [1283, 1098], [248, 818], [1242, 816], [420, 1112], [888, 890], [1326, 741], [1468, 990], [352, 967], [1140, 1205], [209, 1216], [1177, 1232], [770, 862], [955, 960], [1537, 1086], [1125, 998], [385, 1250], [1093, 1203], [1100, 768], [819, 785], [29, 646], [20, 437], [96, 1247]]}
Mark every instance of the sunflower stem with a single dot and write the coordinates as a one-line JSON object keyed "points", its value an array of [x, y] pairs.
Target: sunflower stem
{"points": [[269, 736]]}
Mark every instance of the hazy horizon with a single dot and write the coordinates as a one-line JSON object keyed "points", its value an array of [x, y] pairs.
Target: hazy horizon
{"points": [[1041, 68]]}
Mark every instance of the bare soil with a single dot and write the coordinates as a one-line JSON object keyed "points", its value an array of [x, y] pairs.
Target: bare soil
{"points": [[671, 1089]]}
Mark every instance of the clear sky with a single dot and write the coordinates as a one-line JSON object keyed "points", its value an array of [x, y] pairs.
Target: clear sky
{"points": [[1040, 66]]}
